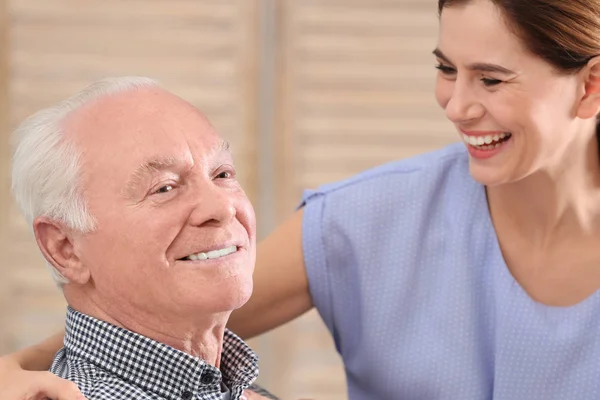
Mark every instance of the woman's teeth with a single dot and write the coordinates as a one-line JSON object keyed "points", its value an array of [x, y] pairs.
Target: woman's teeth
{"points": [[212, 254], [487, 142]]}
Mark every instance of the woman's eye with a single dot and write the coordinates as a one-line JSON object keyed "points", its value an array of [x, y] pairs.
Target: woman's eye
{"points": [[446, 70], [490, 82], [224, 175]]}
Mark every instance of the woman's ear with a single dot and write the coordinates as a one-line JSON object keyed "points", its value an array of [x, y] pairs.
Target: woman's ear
{"points": [[589, 105], [56, 243]]}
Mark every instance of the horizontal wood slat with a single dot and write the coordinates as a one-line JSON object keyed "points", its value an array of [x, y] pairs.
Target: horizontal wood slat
{"points": [[125, 11]]}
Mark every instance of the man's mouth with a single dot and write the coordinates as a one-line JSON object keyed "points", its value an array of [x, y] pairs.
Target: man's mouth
{"points": [[211, 254]]}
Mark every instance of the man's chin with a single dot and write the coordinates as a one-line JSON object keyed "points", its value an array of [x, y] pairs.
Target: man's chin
{"points": [[238, 298], [225, 298]]}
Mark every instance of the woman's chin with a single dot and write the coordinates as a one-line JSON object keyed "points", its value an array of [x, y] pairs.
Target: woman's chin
{"points": [[488, 175]]}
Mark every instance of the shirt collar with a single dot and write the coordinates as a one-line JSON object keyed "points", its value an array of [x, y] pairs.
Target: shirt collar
{"points": [[154, 366]]}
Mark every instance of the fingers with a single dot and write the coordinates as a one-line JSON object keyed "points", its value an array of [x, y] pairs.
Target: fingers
{"points": [[55, 388], [250, 395], [18, 384]]}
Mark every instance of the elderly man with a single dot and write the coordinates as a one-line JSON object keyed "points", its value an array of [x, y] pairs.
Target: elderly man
{"points": [[135, 206]]}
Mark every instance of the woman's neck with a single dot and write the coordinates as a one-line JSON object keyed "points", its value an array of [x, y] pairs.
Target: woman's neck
{"points": [[555, 203]]}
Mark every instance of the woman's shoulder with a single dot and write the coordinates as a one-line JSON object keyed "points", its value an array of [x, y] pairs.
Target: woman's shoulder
{"points": [[443, 169]]}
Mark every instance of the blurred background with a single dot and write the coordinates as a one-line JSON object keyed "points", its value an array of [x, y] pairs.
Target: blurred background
{"points": [[306, 91]]}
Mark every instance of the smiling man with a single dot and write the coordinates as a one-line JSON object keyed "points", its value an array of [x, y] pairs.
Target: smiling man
{"points": [[134, 203]]}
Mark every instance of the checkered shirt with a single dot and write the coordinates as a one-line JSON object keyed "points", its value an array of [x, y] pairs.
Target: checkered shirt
{"points": [[111, 363]]}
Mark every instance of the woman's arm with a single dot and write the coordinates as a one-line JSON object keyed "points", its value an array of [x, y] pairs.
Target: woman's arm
{"points": [[280, 284], [19, 382], [39, 357]]}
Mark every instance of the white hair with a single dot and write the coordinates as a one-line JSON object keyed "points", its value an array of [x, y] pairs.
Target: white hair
{"points": [[45, 166]]}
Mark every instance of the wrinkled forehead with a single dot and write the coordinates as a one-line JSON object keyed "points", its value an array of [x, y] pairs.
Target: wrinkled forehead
{"points": [[118, 133], [477, 31]]}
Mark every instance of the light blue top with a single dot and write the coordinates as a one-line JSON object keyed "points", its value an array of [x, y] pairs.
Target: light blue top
{"points": [[405, 269]]}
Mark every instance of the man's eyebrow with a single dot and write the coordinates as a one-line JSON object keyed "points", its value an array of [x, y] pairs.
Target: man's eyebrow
{"points": [[482, 67], [149, 167], [161, 164]]}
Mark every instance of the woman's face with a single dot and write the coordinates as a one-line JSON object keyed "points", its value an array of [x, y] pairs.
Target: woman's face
{"points": [[515, 114]]}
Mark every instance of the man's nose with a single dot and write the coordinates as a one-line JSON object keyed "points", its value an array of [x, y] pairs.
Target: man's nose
{"points": [[214, 205], [463, 105]]}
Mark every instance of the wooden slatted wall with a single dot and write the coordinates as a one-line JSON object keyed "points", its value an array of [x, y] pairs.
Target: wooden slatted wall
{"points": [[356, 88]]}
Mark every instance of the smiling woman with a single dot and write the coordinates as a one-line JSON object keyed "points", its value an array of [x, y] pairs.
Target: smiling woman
{"points": [[515, 82]]}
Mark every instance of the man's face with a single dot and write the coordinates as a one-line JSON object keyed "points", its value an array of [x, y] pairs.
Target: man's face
{"points": [[175, 231]]}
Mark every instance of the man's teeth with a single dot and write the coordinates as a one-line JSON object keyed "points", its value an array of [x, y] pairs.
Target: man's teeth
{"points": [[212, 254], [493, 140]]}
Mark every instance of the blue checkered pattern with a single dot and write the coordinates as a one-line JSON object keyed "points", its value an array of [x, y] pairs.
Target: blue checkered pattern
{"points": [[111, 363]]}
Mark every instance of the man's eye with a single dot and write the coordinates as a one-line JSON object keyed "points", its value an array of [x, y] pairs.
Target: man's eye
{"points": [[165, 189], [225, 175]]}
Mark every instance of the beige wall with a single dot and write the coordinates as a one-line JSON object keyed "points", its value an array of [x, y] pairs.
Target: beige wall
{"points": [[4, 182], [306, 91]]}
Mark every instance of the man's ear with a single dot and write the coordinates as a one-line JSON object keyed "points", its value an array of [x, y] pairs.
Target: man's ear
{"points": [[56, 243], [589, 105]]}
